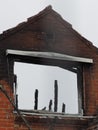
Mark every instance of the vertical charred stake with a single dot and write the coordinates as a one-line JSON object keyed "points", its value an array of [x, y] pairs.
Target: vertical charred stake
{"points": [[50, 105], [36, 100], [63, 108], [17, 101], [15, 85], [15, 91], [55, 96], [15, 80]]}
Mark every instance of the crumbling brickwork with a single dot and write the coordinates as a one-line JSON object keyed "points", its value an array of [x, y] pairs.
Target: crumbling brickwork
{"points": [[48, 32], [6, 109]]}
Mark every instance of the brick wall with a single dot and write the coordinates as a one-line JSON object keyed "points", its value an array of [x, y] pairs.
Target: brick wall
{"points": [[33, 36], [6, 109]]}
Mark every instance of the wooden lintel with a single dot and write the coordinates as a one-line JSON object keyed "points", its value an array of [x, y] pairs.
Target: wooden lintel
{"points": [[50, 55]]}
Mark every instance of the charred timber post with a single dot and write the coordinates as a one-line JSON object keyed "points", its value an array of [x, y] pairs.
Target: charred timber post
{"points": [[15, 86], [15, 80], [63, 108], [50, 105], [55, 96], [17, 101], [36, 100]]}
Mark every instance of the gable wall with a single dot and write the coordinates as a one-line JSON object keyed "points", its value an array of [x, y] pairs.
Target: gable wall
{"points": [[33, 38]]}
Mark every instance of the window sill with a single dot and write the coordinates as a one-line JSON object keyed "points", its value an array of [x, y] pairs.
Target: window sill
{"points": [[58, 118], [47, 113]]}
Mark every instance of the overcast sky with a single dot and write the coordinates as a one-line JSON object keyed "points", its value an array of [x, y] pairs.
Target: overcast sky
{"points": [[82, 14]]}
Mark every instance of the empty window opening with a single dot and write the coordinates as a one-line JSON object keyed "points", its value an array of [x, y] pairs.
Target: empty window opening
{"points": [[45, 83]]}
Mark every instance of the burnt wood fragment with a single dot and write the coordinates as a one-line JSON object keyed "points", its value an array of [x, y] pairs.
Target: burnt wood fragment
{"points": [[15, 80], [43, 109], [36, 100], [17, 101], [55, 96], [50, 105], [63, 108]]}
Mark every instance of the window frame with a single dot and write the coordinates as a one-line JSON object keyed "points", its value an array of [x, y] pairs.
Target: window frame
{"points": [[71, 63]]}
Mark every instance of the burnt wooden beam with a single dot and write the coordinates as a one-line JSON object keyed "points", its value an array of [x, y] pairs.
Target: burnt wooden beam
{"points": [[63, 108], [15, 84], [49, 55], [15, 91], [80, 90], [17, 101], [36, 100], [55, 96], [50, 105], [15, 80]]}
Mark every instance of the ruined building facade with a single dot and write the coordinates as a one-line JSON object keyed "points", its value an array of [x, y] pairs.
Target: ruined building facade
{"points": [[47, 39]]}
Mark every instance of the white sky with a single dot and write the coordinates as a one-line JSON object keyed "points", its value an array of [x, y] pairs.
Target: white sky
{"points": [[82, 14], [42, 78]]}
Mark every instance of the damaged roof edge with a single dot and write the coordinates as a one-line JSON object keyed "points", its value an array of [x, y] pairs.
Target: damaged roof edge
{"points": [[34, 18], [50, 55]]}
